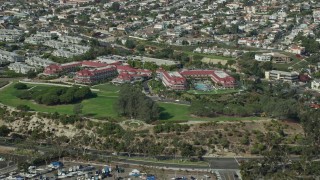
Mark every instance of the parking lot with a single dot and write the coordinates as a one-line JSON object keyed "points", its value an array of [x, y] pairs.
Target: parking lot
{"points": [[86, 171]]}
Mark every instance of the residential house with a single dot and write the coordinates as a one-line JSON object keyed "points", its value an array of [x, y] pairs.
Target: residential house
{"points": [[316, 15], [70, 39], [263, 57], [295, 49], [315, 85]]}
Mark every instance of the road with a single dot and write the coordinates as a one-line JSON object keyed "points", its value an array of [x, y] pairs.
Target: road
{"points": [[8, 169], [224, 168]]}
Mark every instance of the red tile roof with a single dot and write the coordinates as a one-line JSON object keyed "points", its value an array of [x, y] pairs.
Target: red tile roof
{"points": [[93, 64], [197, 72]]}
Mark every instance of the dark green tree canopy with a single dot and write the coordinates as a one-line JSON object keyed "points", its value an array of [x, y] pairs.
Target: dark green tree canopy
{"points": [[133, 103]]}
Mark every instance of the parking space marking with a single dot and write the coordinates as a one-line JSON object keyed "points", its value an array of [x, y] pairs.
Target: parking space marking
{"points": [[237, 161]]}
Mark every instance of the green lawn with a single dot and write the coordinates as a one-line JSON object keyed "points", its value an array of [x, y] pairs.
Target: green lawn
{"points": [[295, 64], [209, 55], [284, 66], [171, 111], [102, 105], [107, 87], [178, 112]]}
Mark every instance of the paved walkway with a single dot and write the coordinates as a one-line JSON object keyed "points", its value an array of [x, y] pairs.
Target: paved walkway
{"points": [[6, 85], [53, 84]]}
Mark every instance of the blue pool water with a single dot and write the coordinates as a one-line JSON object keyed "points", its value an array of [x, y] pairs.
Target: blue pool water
{"points": [[201, 87]]}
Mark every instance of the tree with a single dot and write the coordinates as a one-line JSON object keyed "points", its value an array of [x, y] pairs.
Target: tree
{"points": [[82, 92], [140, 48], [49, 99], [115, 6], [185, 42], [130, 44], [133, 103], [187, 150], [20, 86], [311, 125], [31, 74], [23, 166], [201, 108]]}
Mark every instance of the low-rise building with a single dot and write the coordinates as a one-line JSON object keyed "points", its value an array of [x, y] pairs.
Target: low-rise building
{"points": [[54, 69], [282, 75], [38, 62], [172, 80], [295, 49], [6, 56], [280, 58], [66, 49], [217, 76], [316, 15], [263, 57], [63, 53], [70, 39], [92, 76], [22, 68], [315, 85], [158, 62], [130, 74], [9, 35]]}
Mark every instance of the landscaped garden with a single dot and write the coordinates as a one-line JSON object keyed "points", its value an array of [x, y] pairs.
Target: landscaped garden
{"points": [[214, 91], [100, 106]]}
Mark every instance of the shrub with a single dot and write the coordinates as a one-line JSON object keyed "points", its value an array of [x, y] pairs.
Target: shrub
{"points": [[20, 86], [23, 107], [245, 140], [4, 130]]}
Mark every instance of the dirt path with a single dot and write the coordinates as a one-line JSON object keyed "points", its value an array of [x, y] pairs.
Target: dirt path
{"points": [[226, 122]]}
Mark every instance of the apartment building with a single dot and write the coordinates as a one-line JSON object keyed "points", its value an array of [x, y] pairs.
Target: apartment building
{"points": [[38, 62], [22, 68], [282, 75], [219, 77], [92, 76], [9, 35], [54, 69], [6, 56], [172, 80]]}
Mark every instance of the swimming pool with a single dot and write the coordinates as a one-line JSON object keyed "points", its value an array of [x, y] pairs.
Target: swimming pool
{"points": [[202, 87]]}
